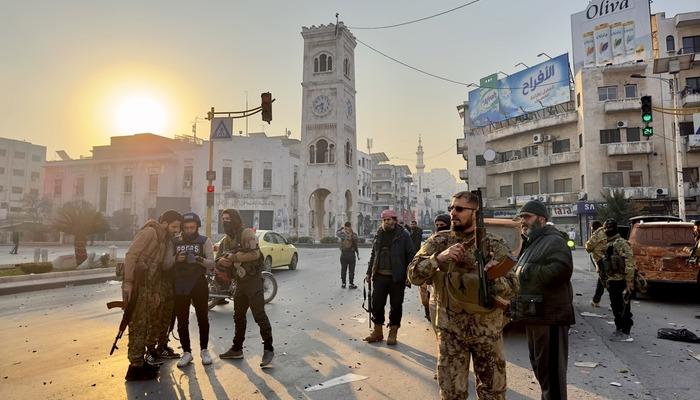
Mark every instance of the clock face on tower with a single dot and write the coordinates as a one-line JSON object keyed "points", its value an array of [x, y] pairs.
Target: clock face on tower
{"points": [[321, 105], [348, 108]]}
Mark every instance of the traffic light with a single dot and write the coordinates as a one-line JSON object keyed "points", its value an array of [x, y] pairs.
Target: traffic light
{"points": [[646, 109], [648, 131], [266, 104], [210, 195]]}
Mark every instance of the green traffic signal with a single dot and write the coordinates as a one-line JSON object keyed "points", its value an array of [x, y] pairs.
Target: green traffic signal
{"points": [[646, 109], [646, 117], [648, 131]]}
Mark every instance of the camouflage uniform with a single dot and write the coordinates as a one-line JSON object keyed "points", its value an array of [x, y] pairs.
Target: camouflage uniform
{"points": [[618, 265], [595, 245], [164, 313], [466, 330], [142, 269]]}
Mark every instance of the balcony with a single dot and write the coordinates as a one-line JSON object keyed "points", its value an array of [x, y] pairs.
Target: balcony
{"points": [[628, 148], [642, 192], [570, 197], [612, 106], [499, 202], [691, 189], [693, 143], [690, 98], [534, 125], [565, 158], [464, 175], [533, 162]]}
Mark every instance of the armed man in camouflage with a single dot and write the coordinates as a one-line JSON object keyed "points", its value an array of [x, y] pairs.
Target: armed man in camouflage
{"points": [[617, 266], [595, 246], [466, 330]]}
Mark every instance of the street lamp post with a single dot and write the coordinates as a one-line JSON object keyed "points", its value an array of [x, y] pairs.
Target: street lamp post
{"points": [[673, 85]]}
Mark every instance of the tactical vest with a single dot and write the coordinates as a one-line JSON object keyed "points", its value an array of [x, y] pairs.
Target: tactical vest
{"points": [[189, 271], [612, 262], [232, 245]]}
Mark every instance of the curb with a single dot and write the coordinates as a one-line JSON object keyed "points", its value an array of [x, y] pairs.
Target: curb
{"points": [[54, 280]]}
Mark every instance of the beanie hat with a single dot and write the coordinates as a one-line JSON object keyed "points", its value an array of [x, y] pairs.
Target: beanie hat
{"points": [[535, 207], [444, 218]]}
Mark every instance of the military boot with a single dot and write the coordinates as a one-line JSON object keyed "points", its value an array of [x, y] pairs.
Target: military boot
{"points": [[140, 373], [393, 331], [377, 334]]}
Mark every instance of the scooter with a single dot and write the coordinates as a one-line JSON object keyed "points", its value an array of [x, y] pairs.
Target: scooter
{"points": [[222, 287]]}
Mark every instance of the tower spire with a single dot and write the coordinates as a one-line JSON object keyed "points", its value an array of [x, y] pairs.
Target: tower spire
{"points": [[419, 156]]}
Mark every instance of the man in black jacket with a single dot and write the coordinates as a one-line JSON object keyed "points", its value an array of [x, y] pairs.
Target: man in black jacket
{"points": [[544, 270], [392, 250]]}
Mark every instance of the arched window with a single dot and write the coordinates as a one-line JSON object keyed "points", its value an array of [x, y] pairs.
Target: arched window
{"points": [[321, 152], [323, 63], [346, 68], [331, 154], [312, 154], [670, 43], [315, 64], [330, 63]]}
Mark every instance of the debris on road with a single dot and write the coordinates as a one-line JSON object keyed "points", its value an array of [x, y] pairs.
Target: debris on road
{"points": [[694, 355], [347, 378], [618, 384], [679, 335], [590, 314], [586, 364]]}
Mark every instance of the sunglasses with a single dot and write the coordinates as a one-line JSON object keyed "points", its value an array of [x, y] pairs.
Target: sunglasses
{"points": [[459, 209]]}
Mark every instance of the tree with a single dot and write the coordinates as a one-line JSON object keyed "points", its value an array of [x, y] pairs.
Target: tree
{"points": [[36, 208], [617, 207], [81, 220]]}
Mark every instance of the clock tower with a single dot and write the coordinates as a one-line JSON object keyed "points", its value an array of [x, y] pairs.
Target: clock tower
{"points": [[328, 181]]}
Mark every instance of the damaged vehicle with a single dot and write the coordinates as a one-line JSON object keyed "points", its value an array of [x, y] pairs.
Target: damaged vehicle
{"points": [[662, 247]]}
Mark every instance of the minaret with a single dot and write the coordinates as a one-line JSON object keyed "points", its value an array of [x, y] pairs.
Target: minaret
{"points": [[419, 165]]}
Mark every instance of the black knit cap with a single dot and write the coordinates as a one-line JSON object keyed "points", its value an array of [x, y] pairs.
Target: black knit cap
{"points": [[444, 218], [535, 207]]}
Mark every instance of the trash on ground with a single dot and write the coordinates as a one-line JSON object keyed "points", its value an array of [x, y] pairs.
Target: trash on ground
{"points": [[347, 378], [360, 320], [618, 384], [611, 322], [679, 335], [113, 282], [586, 364], [590, 314], [694, 355]]}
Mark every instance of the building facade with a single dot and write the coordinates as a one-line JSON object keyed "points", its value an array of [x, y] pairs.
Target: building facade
{"points": [[21, 174], [364, 194]]}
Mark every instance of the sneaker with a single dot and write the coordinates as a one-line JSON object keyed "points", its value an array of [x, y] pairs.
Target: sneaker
{"points": [[623, 337], [139, 373], [186, 359], [231, 354], [617, 336], [595, 304], [342, 286], [267, 358], [152, 358], [167, 353], [352, 286], [206, 358]]}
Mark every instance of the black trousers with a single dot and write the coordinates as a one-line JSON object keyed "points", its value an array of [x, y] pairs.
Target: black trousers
{"points": [[199, 297], [347, 263], [599, 290], [383, 286], [14, 249], [621, 309], [549, 353], [249, 294]]}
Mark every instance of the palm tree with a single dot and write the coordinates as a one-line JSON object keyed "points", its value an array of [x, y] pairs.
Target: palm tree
{"points": [[616, 207], [81, 220]]}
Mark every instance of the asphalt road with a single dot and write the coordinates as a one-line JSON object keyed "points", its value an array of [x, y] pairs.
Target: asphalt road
{"points": [[55, 345]]}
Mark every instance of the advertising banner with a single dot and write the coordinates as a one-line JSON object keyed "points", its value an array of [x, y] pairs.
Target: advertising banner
{"points": [[543, 85], [611, 32]]}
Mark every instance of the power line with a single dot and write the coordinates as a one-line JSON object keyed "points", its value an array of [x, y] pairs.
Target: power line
{"points": [[419, 19]]}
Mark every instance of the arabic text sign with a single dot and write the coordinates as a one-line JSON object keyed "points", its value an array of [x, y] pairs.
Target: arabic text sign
{"points": [[611, 32], [543, 85]]}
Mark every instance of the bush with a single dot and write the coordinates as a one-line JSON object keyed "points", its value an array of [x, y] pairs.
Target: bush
{"points": [[36, 268], [305, 239], [329, 239]]}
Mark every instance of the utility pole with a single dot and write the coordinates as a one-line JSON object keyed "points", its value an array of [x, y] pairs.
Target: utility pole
{"points": [[673, 83]]}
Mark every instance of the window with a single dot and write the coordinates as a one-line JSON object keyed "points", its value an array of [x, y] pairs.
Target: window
{"points": [[187, 177], [312, 154], [633, 134], [635, 178], [563, 185], [35, 176], [624, 165], [670, 43], [506, 191], [323, 63], [580, 140], [693, 83], [346, 68], [612, 179], [561, 146], [128, 180], [3, 152], [630, 91], [226, 177], [331, 154], [578, 99], [685, 128], [583, 182], [321, 152], [267, 179], [348, 154], [480, 161], [104, 185], [17, 190], [36, 158], [80, 187], [57, 187], [691, 44], [18, 172], [609, 136], [530, 151], [247, 178], [607, 93], [153, 183], [690, 175], [531, 188], [20, 154]]}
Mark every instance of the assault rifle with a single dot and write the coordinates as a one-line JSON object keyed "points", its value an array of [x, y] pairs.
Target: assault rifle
{"points": [[480, 236], [693, 259], [128, 311]]}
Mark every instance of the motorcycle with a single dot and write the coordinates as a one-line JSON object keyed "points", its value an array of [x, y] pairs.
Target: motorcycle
{"points": [[222, 287]]}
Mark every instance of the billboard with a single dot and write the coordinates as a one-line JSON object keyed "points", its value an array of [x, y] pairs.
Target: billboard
{"points": [[543, 85], [611, 32]]}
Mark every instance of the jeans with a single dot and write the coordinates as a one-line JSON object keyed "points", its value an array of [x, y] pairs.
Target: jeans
{"points": [[199, 298]]}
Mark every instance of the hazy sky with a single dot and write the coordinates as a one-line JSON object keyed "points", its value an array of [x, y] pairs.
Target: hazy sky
{"points": [[72, 72]]}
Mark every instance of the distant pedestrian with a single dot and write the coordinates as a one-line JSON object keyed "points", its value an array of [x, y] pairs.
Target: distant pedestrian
{"points": [[595, 246], [544, 303], [442, 222], [15, 242], [348, 252], [416, 234], [392, 250]]}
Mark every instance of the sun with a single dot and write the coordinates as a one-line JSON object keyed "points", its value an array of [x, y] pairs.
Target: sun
{"points": [[140, 113]]}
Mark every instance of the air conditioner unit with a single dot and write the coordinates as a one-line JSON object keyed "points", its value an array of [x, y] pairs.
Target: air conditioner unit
{"points": [[511, 200], [543, 198], [547, 138], [662, 191], [622, 124], [537, 138]]}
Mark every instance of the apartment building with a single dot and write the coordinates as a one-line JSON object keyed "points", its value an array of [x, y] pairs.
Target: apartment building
{"points": [[21, 174]]}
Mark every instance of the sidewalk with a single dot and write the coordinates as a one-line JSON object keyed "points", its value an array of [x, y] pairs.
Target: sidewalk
{"points": [[54, 280]]}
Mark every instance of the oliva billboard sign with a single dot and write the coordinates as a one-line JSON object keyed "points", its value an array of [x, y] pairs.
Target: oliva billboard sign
{"points": [[611, 32]]}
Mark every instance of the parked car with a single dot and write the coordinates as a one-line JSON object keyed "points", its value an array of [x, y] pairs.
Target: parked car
{"points": [[661, 249], [276, 250], [426, 234]]}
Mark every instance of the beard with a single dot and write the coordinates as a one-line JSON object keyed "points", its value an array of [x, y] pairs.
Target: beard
{"points": [[534, 226], [460, 227]]}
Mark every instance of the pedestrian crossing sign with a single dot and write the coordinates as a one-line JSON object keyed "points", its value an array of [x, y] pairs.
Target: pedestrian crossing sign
{"points": [[221, 128]]}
